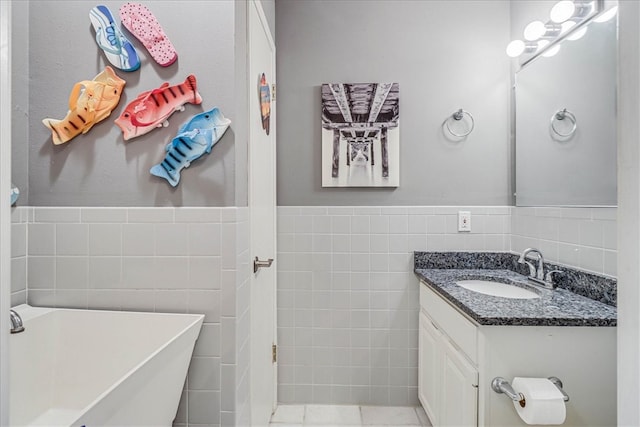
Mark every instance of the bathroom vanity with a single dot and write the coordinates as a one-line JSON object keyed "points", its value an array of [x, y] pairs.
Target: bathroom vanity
{"points": [[468, 338]]}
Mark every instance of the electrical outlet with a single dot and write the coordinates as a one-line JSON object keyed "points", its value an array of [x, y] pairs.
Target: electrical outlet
{"points": [[464, 221]]}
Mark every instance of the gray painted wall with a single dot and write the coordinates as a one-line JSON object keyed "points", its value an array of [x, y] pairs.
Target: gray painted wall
{"points": [[99, 168], [444, 54], [20, 96]]}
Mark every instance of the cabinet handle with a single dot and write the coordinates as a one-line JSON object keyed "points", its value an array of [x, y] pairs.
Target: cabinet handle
{"points": [[434, 325]]}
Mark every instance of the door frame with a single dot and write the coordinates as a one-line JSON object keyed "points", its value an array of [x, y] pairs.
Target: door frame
{"points": [[257, 4], [5, 208]]}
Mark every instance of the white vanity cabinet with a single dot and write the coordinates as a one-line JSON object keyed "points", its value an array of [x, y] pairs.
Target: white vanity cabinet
{"points": [[430, 349], [448, 379], [459, 388], [458, 358]]}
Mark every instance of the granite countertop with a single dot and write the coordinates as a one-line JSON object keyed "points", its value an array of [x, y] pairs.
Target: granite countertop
{"points": [[559, 307]]}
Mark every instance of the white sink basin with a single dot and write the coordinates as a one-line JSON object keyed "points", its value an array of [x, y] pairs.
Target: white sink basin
{"points": [[497, 289]]}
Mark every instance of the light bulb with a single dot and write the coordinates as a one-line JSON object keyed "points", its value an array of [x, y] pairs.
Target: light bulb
{"points": [[604, 17], [542, 43], [578, 34], [567, 25], [552, 51], [515, 48], [562, 11], [534, 30]]}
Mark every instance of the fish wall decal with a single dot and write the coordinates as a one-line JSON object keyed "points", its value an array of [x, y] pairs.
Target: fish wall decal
{"points": [[90, 102], [151, 109], [194, 139]]}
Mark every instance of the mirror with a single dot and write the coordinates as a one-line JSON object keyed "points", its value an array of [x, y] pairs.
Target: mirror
{"points": [[557, 165]]}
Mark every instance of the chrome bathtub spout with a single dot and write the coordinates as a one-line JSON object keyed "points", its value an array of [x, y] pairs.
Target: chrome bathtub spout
{"points": [[16, 322]]}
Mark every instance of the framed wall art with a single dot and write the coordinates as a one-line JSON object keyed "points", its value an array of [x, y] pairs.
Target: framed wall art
{"points": [[360, 135]]}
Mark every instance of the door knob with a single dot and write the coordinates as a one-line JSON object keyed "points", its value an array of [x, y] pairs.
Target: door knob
{"points": [[257, 264]]}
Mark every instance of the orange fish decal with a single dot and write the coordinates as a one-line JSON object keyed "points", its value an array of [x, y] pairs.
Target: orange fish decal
{"points": [[152, 109], [90, 102]]}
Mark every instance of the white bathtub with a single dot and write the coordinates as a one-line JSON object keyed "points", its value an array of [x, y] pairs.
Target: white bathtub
{"points": [[99, 368]]}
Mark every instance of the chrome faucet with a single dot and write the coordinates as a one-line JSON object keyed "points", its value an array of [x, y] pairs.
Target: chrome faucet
{"points": [[534, 273], [16, 322]]}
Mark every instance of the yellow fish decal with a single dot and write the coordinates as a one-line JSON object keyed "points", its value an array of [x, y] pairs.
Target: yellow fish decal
{"points": [[90, 102]]}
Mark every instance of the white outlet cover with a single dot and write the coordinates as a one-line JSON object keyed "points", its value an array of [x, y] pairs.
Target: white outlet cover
{"points": [[464, 221]]}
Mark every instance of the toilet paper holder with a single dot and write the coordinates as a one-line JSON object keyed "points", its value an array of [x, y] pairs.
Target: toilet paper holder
{"points": [[500, 385]]}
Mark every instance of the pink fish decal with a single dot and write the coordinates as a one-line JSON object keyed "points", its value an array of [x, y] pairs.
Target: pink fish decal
{"points": [[152, 109]]}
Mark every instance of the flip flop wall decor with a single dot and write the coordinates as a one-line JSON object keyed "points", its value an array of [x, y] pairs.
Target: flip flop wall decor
{"points": [[151, 109], [195, 139], [90, 102], [117, 48], [141, 22]]}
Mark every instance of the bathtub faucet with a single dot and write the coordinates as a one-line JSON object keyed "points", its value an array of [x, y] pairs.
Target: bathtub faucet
{"points": [[16, 322]]}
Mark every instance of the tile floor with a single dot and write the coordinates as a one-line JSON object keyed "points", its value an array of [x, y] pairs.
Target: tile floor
{"points": [[338, 415]]}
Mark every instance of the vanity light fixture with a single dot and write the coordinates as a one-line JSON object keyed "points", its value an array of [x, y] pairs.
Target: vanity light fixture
{"points": [[567, 19], [534, 30], [518, 47], [562, 11], [515, 48]]}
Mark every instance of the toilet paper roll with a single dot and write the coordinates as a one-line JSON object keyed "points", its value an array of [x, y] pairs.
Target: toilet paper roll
{"points": [[544, 402]]}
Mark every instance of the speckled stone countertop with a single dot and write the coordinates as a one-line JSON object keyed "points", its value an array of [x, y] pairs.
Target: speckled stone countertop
{"points": [[596, 287], [559, 307]]}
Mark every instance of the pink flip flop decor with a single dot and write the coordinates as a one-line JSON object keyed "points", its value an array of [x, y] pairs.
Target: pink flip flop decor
{"points": [[141, 22]]}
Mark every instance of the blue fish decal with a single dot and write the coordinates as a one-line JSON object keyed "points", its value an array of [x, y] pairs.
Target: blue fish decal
{"points": [[194, 139]]}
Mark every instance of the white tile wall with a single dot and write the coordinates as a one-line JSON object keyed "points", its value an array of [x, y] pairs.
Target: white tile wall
{"points": [[584, 238], [19, 216], [149, 259], [347, 297], [348, 300]]}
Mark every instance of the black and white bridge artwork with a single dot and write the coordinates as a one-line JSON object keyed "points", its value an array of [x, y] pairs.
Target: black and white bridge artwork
{"points": [[360, 135]]}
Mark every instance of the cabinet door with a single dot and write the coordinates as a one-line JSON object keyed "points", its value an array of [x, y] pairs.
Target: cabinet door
{"points": [[459, 399], [429, 367]]}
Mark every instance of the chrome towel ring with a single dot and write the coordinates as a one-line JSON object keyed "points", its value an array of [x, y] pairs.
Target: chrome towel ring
{"points": [[457, 116], [561, 115]]}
